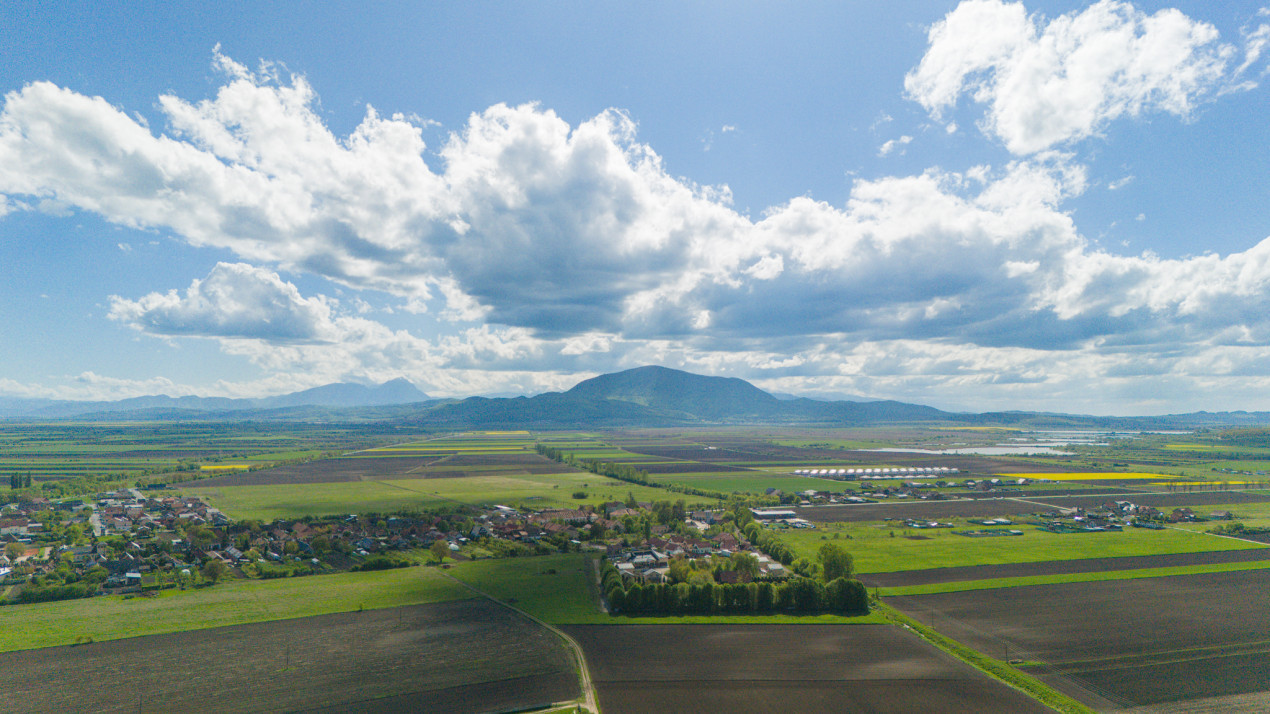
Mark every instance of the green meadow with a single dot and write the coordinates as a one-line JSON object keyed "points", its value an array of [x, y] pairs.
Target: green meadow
{"points": [[536, 491], [234, 602], [887, 547]]}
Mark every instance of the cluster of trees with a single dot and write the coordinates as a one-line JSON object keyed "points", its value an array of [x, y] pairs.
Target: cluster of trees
{"points": [[1238, 529], [55, 592], [799, 595], [17, 481]]}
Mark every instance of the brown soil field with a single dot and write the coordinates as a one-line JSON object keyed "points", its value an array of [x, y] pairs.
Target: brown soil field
{"points": [[1015, 492], [690, 467], [690, 453], [901, 510], [795, 669], [373, 468], [1143, 642], [466, 656], [1014, 505], [968, 463], [1059, 567]]}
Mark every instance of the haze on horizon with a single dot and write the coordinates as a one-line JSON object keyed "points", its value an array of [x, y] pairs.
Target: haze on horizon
{"points": [[979, 205]]}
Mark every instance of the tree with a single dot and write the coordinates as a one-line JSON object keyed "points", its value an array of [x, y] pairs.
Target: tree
{"points": [[630, 500], [835, 562], [14, 550], [597, 531], [214, 570], [745, 565], [679, 571], [439, 550], [843, 595]]}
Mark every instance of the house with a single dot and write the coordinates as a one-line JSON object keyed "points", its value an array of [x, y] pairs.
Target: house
{"points": [[655, 575]]}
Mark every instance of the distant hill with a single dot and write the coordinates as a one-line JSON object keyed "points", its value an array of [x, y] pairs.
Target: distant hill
{"points": [[397, 391], [675, 391], [659, 396]]}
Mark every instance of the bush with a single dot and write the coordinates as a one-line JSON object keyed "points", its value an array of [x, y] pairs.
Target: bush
{"points": [[379, 562], [56, 592]]}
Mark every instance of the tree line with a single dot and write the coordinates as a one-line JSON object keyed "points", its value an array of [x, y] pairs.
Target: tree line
{"points": [[798, 595]]}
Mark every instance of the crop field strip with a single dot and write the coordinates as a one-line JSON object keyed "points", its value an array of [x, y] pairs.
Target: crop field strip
{"points": [[1144, 642], [112, 617], [403, 656], [1255, 557], [60, 450], [794, 668]]}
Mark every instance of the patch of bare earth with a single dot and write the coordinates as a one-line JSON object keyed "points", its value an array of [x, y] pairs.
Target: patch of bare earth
{"points": [[465, 656], [794, 669]]}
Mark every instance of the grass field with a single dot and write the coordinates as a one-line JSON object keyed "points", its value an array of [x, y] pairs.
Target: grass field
{"points": [[876, 551], [61, 450], [228, 603], [1137, 574], [512, 489]]}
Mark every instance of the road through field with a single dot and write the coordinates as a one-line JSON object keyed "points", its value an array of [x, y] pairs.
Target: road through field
{"points": [[584, 672]]}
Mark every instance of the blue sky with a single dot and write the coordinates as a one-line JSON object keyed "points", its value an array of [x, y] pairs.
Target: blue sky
{"points": [[976, 205]]}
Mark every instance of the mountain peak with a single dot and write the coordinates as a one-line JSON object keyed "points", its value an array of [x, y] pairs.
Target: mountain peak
{"points": [[674, 390]]}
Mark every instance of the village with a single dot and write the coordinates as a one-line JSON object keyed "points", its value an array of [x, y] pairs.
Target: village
{"points": [[131, 542]]}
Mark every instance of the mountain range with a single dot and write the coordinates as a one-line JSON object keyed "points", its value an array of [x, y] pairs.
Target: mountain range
{"points": [[342, 395], [645, 396]]}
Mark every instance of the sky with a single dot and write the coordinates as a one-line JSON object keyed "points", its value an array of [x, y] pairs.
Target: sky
{"points": [[975, 205]]}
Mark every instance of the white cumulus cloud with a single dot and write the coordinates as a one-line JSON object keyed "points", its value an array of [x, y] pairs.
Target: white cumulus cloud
{"points": [[1045, 82]]}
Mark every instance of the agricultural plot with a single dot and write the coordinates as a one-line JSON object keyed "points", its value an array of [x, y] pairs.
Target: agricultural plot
{"points": [[890, 547], [791, 668], [754, 482], [376, 466], [1134, 642], [65, 451], [384, 496], [971, 573], [236, 602], [465, 656], [1014, 505]]}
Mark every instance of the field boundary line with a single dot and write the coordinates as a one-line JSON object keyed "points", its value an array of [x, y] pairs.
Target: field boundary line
{"points": [[588, 687], [1038, 503]]}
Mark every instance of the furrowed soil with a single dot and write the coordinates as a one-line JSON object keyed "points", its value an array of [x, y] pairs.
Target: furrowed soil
{"points": [[465, 656], [1059, 567], [379, 468], [1162, 641], [689, 467], [1014, 505], [795, 669]]}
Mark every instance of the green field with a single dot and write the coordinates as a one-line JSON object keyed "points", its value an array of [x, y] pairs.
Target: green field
{"points": [[751, 481], [535, 491], [876, 551], [236, 602], [1024, 581], [118, 452]]}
